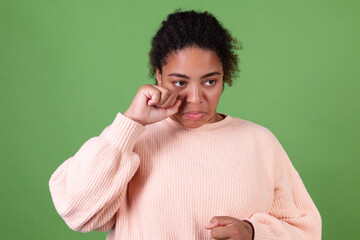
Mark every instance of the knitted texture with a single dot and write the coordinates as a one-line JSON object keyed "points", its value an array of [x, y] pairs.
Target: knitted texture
{"points": [[164, 181]]}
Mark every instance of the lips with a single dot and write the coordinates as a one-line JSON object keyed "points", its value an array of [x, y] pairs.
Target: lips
{"points": [[194, 115]]}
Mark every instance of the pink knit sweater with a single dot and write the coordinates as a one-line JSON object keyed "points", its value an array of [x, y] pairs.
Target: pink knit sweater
{"points": [[164, 181]]}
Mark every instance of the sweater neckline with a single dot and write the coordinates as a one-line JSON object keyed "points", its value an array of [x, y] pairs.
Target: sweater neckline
{"points": [[206, 127]]}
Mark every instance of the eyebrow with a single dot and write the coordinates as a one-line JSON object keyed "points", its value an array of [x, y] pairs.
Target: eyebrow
{"points": [[187, 77]]}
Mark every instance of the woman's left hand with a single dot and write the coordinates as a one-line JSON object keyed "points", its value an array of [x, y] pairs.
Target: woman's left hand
{"points": [[224, 227]]}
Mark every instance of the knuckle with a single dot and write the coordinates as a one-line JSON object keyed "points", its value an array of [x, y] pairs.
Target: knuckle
{"points": [[173, 94], [166, 93], [145, 86], [166, 97], [156, 97]]}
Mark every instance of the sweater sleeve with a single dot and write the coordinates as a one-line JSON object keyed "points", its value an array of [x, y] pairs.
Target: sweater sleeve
{"points": [[293, 214], [88, 188]]}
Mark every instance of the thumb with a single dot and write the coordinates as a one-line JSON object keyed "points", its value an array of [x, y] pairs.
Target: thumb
{"points": [[174, 109], [219, 221], [210, 225]]}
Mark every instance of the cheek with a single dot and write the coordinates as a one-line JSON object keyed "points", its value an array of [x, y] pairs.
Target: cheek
{"points": [[213, 103], [215, 97]]}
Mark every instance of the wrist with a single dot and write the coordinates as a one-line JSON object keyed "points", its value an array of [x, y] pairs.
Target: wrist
{"points": [[252, 229], [131, 116]]}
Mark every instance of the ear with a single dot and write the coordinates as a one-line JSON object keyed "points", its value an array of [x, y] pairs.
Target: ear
{"points": [[158, 77]]}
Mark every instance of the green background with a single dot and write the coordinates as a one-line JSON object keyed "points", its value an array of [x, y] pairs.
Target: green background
{"points": [[67, 67]]}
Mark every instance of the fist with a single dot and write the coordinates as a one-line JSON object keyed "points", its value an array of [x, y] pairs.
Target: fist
{"points": [[151, 104], [224, 227]]}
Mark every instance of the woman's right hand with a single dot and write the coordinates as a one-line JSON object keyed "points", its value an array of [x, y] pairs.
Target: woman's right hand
{"points": [[151, 104]]}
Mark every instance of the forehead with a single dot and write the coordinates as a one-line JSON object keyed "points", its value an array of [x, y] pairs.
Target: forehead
{"points": [[193, 60]]}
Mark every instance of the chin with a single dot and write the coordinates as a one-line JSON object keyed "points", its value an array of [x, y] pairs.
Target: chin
{"points": [[191, 123]]}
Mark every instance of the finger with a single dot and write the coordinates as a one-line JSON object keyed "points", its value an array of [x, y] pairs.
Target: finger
{"points": [[164, 94], [169, 102], [221, 232], [174, 109], [219, 221], [173, 101], [163, 98], [158, 87], [153, 95]]}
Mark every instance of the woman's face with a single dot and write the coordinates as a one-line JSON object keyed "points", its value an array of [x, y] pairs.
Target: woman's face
{"points": [[196, 75]]}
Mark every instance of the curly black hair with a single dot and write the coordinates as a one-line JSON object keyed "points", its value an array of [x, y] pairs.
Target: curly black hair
{"points": [[192, 28]]}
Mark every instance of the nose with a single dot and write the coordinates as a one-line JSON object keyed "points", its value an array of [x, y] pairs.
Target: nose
{"points": [[194, 95]]}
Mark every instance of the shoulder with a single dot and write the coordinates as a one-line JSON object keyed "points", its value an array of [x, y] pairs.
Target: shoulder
{"points": [[263, 139], [247, 124], [254, 132], [251, 127]]}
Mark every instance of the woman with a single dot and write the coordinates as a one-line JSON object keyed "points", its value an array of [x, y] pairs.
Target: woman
{"points": [[171, 167]]}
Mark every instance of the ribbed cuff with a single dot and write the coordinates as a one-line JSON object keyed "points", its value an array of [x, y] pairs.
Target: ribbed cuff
{"points": [[261, 231], [252, 227], [123, 132]]}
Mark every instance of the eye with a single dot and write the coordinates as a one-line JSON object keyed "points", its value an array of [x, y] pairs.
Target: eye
{"points": [[210, 82], [179, 83]]}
